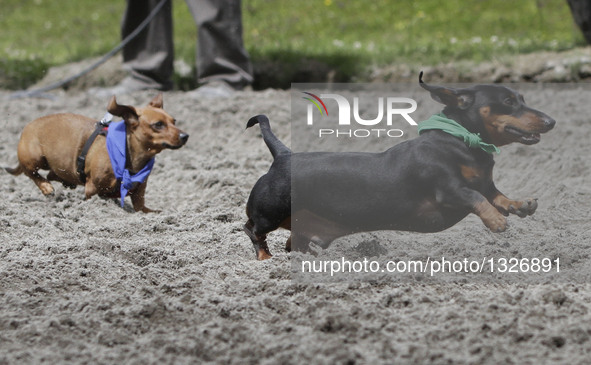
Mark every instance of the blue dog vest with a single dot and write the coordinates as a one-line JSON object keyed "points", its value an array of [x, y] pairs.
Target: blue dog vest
{"points": [[116, 146]]}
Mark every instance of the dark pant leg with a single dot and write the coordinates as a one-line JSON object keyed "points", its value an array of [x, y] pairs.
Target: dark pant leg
{"points": [[220, 50], [150, 55]]}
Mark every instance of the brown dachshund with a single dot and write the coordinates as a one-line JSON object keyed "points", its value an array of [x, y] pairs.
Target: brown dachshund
{"points": [[55, 142]]}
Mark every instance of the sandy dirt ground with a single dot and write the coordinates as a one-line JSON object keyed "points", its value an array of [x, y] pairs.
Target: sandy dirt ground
{"points": [[88, 282]]}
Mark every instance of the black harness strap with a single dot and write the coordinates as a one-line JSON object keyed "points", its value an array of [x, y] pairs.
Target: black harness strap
{"points": [[100, 129]]}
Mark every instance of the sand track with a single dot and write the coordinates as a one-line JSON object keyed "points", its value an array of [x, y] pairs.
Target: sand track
{"points": [[89, 282]]}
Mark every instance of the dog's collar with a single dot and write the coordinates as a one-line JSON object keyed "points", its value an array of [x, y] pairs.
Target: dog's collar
{"points": [[116, 146], [450, 126]]}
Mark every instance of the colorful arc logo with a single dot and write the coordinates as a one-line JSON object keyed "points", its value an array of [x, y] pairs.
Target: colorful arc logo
{"points": [[315, 101]]}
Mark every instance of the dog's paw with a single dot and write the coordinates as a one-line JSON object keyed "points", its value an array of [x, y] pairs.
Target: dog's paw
{"points": [[46, 188], [262, 251], [524, 208], [497, 223]]}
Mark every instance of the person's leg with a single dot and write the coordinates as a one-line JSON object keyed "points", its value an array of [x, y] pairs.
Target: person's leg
{"points": [[150, 55], [221, 55]]}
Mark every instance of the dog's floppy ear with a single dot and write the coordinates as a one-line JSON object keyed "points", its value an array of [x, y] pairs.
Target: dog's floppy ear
{"points": [[157, 102], [455, 98], [127, 112]]}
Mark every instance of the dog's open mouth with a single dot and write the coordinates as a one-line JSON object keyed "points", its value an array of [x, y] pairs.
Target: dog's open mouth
{"points": [[522, 136]]}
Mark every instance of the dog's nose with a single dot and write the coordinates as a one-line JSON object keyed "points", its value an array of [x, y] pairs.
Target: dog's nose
{"points": [[549, 123], [184, 137]]}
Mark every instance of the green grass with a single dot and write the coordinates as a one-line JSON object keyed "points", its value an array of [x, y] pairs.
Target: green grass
{"points": [[298, 40]]}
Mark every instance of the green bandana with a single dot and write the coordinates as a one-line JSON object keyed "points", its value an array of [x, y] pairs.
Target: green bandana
{"points": [[472, 140]]}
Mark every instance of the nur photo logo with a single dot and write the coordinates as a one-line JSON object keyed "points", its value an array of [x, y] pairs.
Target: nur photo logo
{"points": [[387, 110], [314, 100]]}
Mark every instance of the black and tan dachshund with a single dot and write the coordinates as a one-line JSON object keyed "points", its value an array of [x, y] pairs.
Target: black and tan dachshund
{"points": [[426, 184]]}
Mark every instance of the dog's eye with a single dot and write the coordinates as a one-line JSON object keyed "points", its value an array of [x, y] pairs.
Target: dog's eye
{"points": [[509, 101], [158, 125]]}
